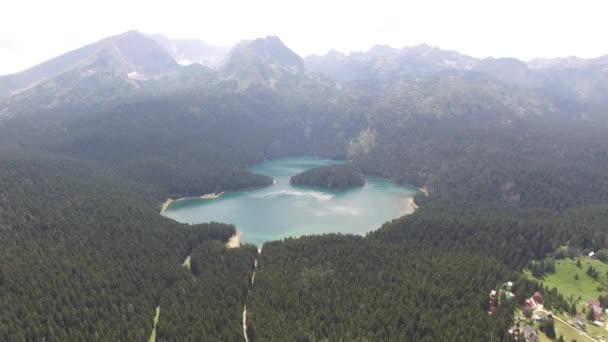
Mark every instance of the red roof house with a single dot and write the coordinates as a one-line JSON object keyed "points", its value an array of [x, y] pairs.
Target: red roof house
{"points": [[596, 306]]}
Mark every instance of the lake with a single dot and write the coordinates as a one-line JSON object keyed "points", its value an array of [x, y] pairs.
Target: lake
{"points": [[283, 210]]}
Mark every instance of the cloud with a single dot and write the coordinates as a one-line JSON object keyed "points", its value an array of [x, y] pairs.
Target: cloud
{"points": [[6, 43]]}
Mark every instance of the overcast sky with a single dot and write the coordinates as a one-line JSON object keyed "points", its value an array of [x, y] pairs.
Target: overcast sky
{"points": [[33, 31]]}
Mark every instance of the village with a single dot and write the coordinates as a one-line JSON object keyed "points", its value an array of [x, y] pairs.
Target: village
{"points": [[585, 321]]}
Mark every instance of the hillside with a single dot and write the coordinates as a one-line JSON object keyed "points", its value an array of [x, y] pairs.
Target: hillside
{"points": [[85, 255]]}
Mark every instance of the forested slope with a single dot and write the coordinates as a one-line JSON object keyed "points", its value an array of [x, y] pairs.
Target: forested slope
{"points": [[351, 288], [211, 304], [86, 256], [514, 237]]}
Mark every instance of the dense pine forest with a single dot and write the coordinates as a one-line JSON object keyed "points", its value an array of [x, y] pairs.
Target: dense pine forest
{"points": [[210, 305], [85, 256], [332, 176], [357, 289], [514, 237]]}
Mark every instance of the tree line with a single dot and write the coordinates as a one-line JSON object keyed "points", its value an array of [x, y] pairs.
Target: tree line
{"points": [[338, 177]]}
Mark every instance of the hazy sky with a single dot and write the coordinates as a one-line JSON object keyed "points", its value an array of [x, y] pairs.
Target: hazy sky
{"points": [[33, 31]]}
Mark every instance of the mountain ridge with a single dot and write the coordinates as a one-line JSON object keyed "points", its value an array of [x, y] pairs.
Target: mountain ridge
{"points": [[118, 67], [116, 53], [262, 61]]}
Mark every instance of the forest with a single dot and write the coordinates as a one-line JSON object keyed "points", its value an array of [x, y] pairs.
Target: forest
{"points": [[337, 287], [338, 177], [85, 256], [514, 237], [209, 305]]}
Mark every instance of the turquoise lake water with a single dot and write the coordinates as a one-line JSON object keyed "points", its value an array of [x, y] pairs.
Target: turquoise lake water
{"points": [[283, 210]]}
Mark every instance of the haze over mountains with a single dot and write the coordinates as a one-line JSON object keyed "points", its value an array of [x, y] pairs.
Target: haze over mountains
{"points": [[133, 63]]}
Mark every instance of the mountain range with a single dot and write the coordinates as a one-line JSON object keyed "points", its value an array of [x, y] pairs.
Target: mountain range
{"points": [[133, 63]]}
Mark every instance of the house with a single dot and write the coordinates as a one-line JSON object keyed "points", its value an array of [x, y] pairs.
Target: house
{"points": [[530, 304], [538, 298], [580, 321], [592, 255], [515, 331], [596, 306], [530, 334]]}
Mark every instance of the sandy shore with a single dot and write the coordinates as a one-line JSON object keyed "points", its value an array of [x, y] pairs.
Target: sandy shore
{"points": [[410, 205], [424, 190], [235, 240], [212, 195], [166, 205], [170, 201]]}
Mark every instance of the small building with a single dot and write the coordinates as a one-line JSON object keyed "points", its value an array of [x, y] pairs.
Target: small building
{"points": [[515, 330], [596, 306], [592, 255], [538, 298], [530, 304], [507, 286], [580, 321], [530, 334]]}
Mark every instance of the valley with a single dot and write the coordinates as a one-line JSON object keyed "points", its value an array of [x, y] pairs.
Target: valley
{"points": [[511, 156]]}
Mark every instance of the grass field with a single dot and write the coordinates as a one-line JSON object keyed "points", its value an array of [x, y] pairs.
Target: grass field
{"points": [[562, 329], [580, 290], [583, 289], [595, 331], [568, 333]]}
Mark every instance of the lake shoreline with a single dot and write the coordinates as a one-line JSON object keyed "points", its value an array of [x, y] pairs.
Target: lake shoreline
{"points": [[235, 240], [167, 204], [410, 203], [410, 206], [212, 195], [424, 191], [309, 210]]}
